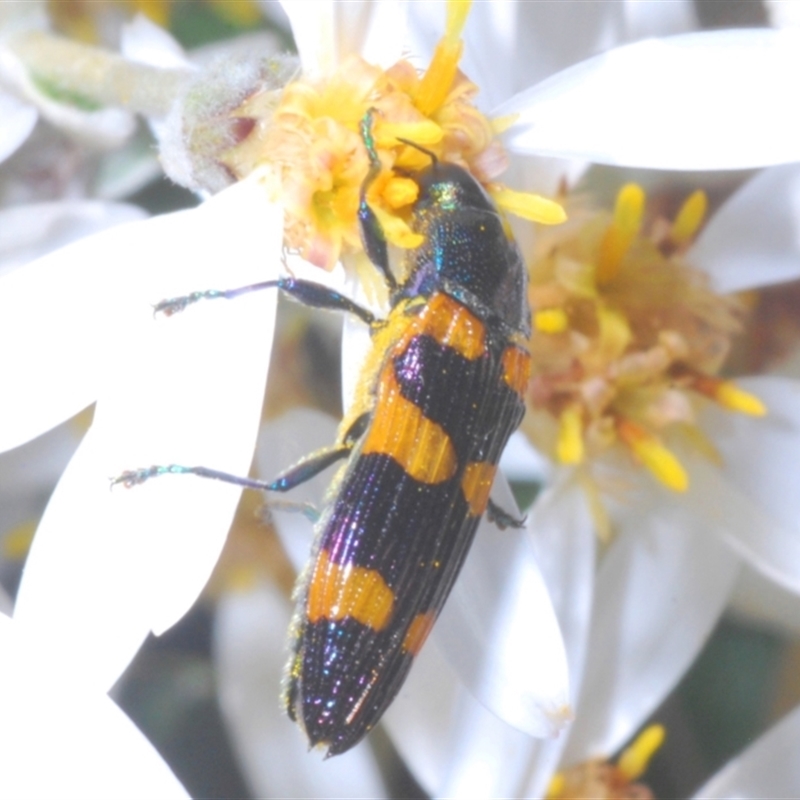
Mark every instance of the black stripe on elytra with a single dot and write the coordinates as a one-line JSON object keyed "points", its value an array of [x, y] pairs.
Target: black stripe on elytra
{"points": [[468, 398], [384, 519]]}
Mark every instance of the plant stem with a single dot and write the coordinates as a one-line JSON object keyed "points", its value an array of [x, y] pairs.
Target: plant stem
{"points": [[98, 75]]}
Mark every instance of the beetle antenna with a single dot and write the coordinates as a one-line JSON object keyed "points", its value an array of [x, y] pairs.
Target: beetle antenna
{"points": [[431, 155]]}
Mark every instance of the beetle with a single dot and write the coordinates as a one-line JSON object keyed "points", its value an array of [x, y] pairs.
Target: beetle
{"points": [[440, 395]]}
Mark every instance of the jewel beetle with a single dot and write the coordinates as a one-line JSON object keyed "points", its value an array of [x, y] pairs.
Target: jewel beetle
{"points": [[440, 394]]}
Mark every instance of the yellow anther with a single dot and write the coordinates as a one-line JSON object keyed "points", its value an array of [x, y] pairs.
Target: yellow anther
{"points": [[396, 230], [569, 447], [635, 759], [730, 396], [425, 132], [621, 232], [555, 789], [551, 320], [689, 218], [400, 192], [614, 333], [651, 452], [529, 206], [438, 79], [457, 13]]}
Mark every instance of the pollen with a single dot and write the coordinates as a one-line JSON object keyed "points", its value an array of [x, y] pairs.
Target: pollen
{"points": [[621, 232], [529, 206], [304, 141], [627, 343], [654, 455], [551, 320], [634, 761], [570, 436], [729, 395], [689, 218], [604, 780], [439, 77]]}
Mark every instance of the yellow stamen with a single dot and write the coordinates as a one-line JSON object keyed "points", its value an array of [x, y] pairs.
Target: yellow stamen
{"points": [[425, 132], [655, 457], [555, 788], [689, 218], [729, 395], [597, 509], [734, 398], [400, 192], [635, 759], [438, 80], [569, 447], [396, 230], [529, 206], [614, 333], [457, 12], [621, 232], [551, 320]]}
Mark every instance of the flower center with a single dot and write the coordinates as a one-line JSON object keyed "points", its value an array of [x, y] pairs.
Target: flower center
{"points": [[627, 337], [313, 153], [604, 780]]}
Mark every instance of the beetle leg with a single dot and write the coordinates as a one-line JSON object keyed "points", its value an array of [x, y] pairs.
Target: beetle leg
{"points": [[502, 518], [372, 236], [306, 292], [304, 470]]}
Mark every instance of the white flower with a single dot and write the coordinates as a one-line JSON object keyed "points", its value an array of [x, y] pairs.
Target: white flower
{"points": [[23, 101], [79, 328], [633, 626], [62, 738]]}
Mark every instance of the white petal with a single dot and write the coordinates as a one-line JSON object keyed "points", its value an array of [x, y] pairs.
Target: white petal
{"points": [[30, 231], [60, 741], [522, 462], [509, 45], [762, 603], [783, 13], [185, 390], [18, 121], [566, 542], [82, 747], [754, 239], [756, 493], [250, 653], [28, 475], [143, 41], [326, 32], [712, 100], [768, 768], [281, 443], [645, 18], [6, 603], [356, 340], [55, 316], [453, 744], [659, 591], [500, 631]]}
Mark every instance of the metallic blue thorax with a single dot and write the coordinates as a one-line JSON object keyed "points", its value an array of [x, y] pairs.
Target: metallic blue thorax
{"points": [[467, 252]]}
